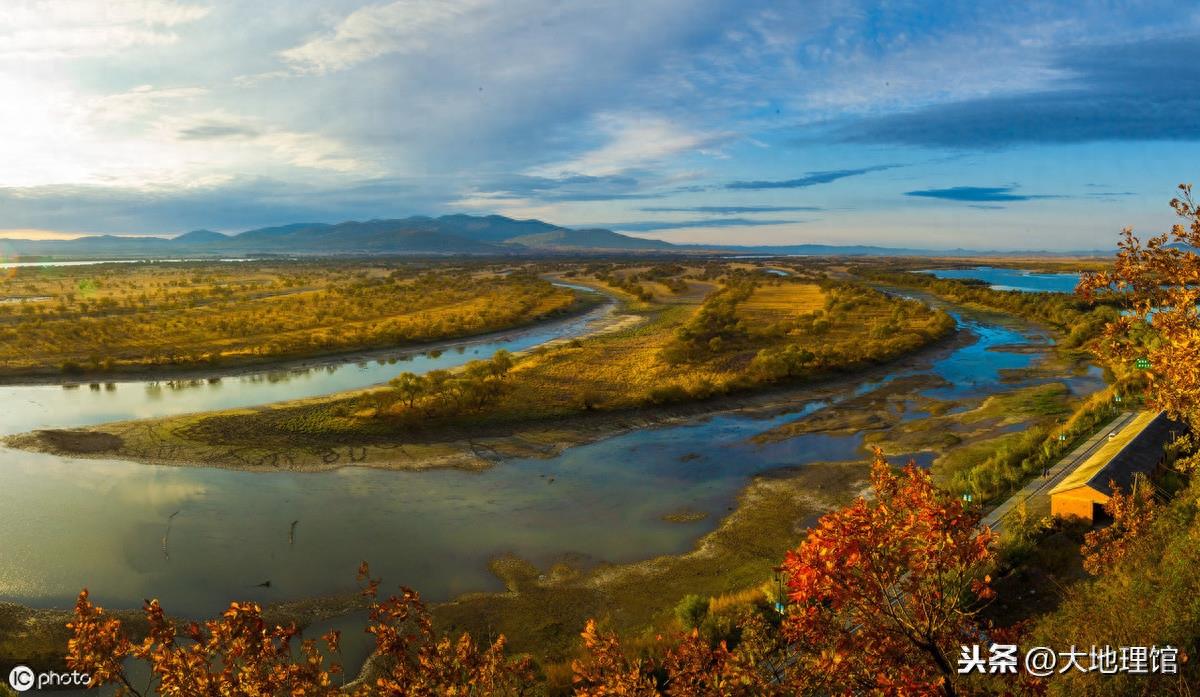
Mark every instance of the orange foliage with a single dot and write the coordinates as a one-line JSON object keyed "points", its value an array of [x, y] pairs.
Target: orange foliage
{"points": [[1159, 283], [690, 666], [239, 654], [1132, 515], [885, 590]]}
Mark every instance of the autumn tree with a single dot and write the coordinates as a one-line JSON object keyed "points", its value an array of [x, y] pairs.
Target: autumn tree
{"points": [[409, 385], [689, 665], [1131, 514], [240, 653], [884, 591], [502, 362], [1159, 284], [1148, 598]]}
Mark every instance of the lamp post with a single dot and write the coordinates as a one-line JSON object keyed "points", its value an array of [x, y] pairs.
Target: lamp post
{"points": [[780, 607]]}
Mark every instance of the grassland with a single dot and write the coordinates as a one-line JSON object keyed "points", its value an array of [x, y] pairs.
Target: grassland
{"points": [[114, 318], [781, 301], [752, 333]]}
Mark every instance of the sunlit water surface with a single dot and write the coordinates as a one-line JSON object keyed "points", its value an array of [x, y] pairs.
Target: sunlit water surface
{"points": [[1013, 279]]}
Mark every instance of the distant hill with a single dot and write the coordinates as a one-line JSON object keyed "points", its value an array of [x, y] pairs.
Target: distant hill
{"points": [[200, 237], [448, 234], [562, 238]]}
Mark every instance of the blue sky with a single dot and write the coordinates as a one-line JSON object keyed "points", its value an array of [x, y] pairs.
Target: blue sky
{"points": [[980, 125]]}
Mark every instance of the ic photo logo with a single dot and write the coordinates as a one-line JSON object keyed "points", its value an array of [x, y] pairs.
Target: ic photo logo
{"points": [[23, 678]]}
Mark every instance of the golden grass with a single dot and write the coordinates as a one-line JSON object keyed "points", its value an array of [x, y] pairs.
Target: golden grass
{"points": [[616, 370], [725, 602], [784, 300]]}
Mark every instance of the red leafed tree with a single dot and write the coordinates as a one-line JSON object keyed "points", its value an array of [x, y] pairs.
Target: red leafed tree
{"points": [[885, 590], [1132, 515], [689, 667], [241, 654]]}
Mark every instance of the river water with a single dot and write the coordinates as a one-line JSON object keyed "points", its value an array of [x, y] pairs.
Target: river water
{"points": [[1013, 279], [67, 523]]}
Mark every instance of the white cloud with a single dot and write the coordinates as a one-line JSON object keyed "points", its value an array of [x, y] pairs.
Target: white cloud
{"points": [[314, 151], [633, 141], [41, 29], [140, 103], [148, 137], [406, 26]]}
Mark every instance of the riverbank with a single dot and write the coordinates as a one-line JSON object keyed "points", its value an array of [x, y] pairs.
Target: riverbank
{"points": [[109, 323], [585, 304]]}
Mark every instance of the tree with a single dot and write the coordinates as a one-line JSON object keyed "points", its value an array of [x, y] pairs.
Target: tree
{"points": [[1132, 515], [689, 666], [410, 386], [1159, 284], [691, 611], [502, 362], [1146, 588], [884, 591], [241, 654]]}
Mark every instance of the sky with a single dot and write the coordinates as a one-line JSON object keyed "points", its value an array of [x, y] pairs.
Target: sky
{"points": [[982, 125]]}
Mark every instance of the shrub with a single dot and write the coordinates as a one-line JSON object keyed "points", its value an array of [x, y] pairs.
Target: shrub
{"points": [[691, 611]]}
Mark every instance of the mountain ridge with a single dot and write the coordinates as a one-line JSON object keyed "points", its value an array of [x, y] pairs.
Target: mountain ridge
{"points": [[455, 233]]}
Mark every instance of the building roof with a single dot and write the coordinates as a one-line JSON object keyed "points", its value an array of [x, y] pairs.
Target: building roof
{"points": [[1137, 448]]}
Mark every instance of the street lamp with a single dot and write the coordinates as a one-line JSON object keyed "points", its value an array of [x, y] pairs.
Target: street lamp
{"points": [[779, 597]]}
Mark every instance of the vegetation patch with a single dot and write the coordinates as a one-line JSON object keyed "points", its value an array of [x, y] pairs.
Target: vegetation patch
{"points": [[133, 317], [685, 515], [80, 442]]}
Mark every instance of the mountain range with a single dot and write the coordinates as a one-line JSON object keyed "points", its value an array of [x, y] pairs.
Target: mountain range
{"points": [[416, 235], [448, 234]]}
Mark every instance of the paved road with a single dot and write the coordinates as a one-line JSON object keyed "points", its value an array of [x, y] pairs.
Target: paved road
{"points": [[1036, 493]]}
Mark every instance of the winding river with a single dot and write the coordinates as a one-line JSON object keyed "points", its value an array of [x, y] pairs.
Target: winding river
{"points": [[70, 523]]}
